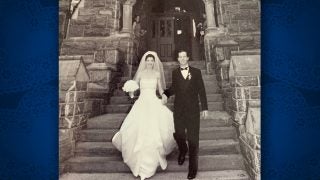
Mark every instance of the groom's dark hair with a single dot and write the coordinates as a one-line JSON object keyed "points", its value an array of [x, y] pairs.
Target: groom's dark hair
{"points": [[180, 51]]}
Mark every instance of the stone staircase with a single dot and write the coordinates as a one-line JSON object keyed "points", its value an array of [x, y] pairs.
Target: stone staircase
{"points": [[219, 151]]}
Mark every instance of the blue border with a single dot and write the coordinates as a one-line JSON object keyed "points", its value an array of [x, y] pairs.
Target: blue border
{"points": [[290, 89], [29, 89]]}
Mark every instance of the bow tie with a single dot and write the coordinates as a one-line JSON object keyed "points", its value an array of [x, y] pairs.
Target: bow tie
{"points": [[186, 68]]}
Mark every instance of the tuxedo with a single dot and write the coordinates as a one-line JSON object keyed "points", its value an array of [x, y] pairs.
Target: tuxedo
{"points": [[186, 112]]}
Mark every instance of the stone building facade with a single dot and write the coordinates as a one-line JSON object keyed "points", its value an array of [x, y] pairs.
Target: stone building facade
{"points": [[99, 32]]}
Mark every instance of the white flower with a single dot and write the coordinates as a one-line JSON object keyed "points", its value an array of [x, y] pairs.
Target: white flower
{"points": [[189, 76], [130, 86]]}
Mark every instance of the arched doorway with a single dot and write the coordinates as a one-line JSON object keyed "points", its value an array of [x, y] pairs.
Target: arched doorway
{"points": [[171, 26]]}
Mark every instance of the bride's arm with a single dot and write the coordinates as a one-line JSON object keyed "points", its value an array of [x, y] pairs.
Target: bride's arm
{"points": [[137, 79], [160, 89]]}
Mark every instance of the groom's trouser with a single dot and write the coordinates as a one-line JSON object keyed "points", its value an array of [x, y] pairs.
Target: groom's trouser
{"points": [[191, 124]]}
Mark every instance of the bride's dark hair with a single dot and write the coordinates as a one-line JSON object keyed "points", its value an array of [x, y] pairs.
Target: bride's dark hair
{"points": [[150, 55]]}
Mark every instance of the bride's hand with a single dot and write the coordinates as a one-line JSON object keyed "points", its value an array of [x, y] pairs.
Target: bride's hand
{"points": [[131, 94], [164, 99]]}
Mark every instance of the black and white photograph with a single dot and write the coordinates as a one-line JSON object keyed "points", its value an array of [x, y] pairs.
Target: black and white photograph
{"points": [[159, 89]]}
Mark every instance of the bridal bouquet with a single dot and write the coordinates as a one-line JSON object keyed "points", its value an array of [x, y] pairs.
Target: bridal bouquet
{"points": [[130, 86]]}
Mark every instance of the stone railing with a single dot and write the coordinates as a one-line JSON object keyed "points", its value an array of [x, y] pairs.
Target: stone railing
{"points": [[244, 79], [250, 140], [238, 75], [220, 60], [105, 72], [73, 114], [93, 50]]}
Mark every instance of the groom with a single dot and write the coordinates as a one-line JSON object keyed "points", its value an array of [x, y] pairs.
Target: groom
{"points": [[187, 86]]}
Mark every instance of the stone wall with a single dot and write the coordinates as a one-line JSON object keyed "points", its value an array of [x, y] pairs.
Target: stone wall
{"points": [[64, 16], [242, 19], [244, 78], [238, 75], [106, 59], [95, 18], [73, 111]]}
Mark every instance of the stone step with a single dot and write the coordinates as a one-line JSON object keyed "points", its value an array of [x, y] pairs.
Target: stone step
{"points": [[125, 108], [207, 133], [210, 82], [202, 175], [210, 89], [205, 77], [113, 121], [206, 147], [175, 64], [107, 165], [127, 100]]}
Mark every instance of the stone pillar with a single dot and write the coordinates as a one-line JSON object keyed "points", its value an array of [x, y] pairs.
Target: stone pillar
{"points": [[211, 24], [212, 35], [222, 55], [127, 16]]}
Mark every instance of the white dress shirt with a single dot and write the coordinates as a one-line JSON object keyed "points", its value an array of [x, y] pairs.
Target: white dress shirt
{"points": [[185, 72]]}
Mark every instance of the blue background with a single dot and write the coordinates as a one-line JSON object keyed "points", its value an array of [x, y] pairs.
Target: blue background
{"points": [[29, 89]]}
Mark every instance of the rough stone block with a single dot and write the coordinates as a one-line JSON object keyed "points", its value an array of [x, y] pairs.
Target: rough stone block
{"points": [[87, 11], [106, 12], [233, 28], [99, 56], [62, 123], [242, 15], [111, 56], [99, 22], [88, 106], [70, 97], [81, 86], [96, 32], [240, 105], [82, 20], [110, 23], [100, 76], [109, 2], [88, 58], [97, 95], [241, 93], [253, 122], [99, 3], [255, 93], [219, 53], [76, 31], [79, 108], [247, 26], [239, 117], [242, 129], [241, 81], [248, 5], [88, 4], [231, 8], [254, 103]]}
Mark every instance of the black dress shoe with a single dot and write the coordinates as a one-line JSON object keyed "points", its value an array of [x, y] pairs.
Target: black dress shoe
{"points": [[181, 158], [192, 174]]}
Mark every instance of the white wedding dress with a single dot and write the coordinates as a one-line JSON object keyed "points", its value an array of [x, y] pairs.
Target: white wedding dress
{"points": [[146, 135]]}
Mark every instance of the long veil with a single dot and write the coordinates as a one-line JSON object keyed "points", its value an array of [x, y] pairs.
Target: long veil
{"points": [[157, 67]]}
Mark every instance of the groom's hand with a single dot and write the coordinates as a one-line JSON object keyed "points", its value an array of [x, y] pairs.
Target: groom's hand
{"points": [[204, 114], [164, 99]]}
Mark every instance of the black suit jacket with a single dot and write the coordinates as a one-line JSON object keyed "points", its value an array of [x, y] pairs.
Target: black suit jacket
{"points": [[187, 92]]}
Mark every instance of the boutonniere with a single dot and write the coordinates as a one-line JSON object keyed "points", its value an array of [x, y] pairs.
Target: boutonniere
{"points": [[189, 76]]}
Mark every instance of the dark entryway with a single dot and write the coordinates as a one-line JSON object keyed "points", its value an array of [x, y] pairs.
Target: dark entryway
{"points": [[169, 32]]}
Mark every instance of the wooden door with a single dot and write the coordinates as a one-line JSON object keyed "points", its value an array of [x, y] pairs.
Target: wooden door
{"points": [[161, 36]]}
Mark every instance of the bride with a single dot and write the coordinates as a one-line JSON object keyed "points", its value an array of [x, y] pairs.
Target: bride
{"points": [[146, 135]]}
